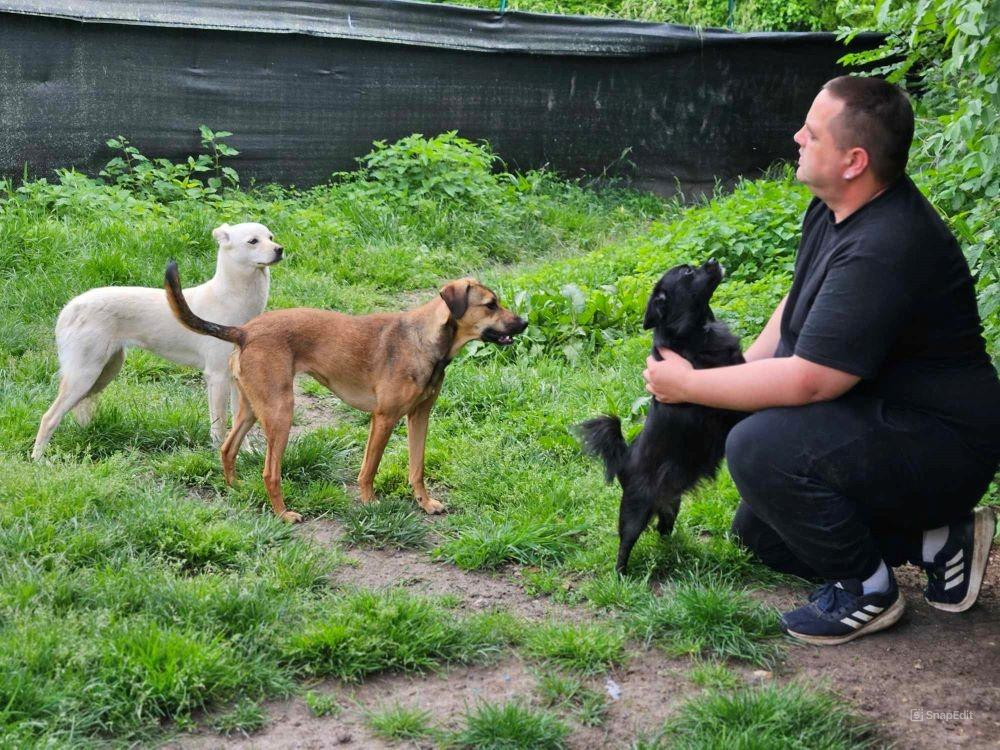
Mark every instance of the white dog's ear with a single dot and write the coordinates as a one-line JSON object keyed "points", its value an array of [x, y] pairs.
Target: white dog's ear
{"points": [[221, 233]]}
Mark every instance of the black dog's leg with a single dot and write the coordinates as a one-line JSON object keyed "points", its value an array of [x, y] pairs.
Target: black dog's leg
{"points": [[633, 516], [667, 512], [666, 524]]}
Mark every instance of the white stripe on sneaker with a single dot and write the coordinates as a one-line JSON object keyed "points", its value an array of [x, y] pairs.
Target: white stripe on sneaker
{"points": [[862, 616], [955, 559], [873, 609], [954, 582], [852, 623], [950, 573]]}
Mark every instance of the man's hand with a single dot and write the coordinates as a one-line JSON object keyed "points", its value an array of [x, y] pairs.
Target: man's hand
{"points": [[665, 379]]}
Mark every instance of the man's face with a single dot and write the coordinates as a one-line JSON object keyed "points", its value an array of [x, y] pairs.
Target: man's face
{"points": [[821, 163]]}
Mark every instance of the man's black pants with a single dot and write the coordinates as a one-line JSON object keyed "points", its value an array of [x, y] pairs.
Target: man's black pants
{"points": [[831, 489]]}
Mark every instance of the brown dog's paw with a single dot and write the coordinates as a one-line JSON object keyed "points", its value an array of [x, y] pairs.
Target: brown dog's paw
{"points": [[290, 516], [431, 506]]}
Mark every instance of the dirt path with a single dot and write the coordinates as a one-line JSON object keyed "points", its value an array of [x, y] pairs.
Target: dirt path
{"points": [[932, 662], [931, 682]]}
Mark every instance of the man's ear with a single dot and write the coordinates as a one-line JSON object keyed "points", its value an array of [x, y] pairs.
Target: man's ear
{"points": [[221, 233], [857, 163], [456, 295]]}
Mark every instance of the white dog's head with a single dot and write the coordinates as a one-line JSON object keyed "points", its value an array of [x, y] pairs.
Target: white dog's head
{"points": [[248, 244]]}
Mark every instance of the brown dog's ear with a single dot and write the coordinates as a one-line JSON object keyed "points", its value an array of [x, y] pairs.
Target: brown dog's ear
{"points": [[456, 296]]}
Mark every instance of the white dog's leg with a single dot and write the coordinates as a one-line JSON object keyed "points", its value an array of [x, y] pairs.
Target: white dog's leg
{"points": [[218, 385], [73, 387], [84, 411]]}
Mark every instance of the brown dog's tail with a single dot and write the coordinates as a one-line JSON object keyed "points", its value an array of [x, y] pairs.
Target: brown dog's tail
{"points": [[183, 313]]}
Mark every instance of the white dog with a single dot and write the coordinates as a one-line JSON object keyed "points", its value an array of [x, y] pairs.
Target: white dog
{"points": [[94, 329]]}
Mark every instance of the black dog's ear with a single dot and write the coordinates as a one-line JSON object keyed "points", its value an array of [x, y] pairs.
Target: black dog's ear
{"points": [[456, 296], [654, 310], [652, 316]]}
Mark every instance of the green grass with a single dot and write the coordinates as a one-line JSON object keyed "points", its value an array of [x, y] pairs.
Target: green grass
{"points": [[400, 723], [569, 694], [322, 704], [245, 718], [581, 647], [786, 716], [392, 523], [510, 726], [711, 618], [355, 635]]}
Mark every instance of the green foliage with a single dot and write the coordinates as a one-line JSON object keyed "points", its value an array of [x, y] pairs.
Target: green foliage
{"points": [[415, 170], [164, 181], [390, 523], [400, 723], [246, 717], [786, 716], [358, 634], [322, 704], [748, 15], [711, 618], [581, 647], [511, 726]]}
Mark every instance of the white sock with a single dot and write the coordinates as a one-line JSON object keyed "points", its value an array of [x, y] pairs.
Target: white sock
{"points": [[877, 581], [934, 540]]}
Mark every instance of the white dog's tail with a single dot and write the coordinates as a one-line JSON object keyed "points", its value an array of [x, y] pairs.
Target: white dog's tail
{"points": [[183, 313]]}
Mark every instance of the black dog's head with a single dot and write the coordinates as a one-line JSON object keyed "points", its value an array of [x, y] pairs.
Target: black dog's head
{"points": [[678, 305]]}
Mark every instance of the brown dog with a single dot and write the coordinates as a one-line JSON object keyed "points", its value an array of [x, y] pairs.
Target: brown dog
{"points": [[389, 364]]}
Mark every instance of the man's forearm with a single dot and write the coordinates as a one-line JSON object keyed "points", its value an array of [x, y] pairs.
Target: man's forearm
{"points": [[757, 385]]}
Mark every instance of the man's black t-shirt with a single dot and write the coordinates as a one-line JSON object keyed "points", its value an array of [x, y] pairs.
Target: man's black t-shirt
{"points": [[887, 295]]}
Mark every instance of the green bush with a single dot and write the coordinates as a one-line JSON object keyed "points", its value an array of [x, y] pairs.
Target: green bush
{"points": [[415, 170]]}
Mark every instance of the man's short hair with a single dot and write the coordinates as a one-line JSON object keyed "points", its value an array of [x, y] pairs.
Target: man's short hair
{"points": [[878, 117]]}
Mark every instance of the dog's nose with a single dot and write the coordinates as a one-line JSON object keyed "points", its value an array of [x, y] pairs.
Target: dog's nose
{"points": [[278, 251], [519, 325]]}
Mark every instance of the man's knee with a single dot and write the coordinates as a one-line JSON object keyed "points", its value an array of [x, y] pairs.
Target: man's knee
{"points": [[749, 446]]}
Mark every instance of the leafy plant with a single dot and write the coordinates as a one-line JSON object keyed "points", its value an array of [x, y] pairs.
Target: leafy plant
{"points": [[416, 170], [164, 181]]}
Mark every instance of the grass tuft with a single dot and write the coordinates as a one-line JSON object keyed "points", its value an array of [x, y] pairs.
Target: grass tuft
{"points": [[391, 523], [786, 716], [709, 618], [400, 723], [585, 648], [511, 726]]}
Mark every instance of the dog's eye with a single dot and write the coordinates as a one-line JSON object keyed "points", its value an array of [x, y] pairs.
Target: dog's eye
{"points": [[492, 305], [253, 241], [688, 271]]}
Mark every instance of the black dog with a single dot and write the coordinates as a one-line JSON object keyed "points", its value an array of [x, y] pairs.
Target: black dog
{"points": [[680, 444]]}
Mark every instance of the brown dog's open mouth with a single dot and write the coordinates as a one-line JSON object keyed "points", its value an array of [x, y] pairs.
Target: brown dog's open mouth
{"points": [[496, 337]]}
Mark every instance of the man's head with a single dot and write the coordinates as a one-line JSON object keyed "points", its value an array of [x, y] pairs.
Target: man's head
{"points": [[857, 129]]}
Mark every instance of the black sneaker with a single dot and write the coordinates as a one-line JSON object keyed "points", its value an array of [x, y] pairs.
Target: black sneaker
{"points": [[955, 576], [839, 612]]}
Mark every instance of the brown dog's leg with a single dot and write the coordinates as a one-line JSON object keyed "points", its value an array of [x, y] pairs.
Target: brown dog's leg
{"points": [[416, 434], [244, 420], [275, 416], [378, 436]]}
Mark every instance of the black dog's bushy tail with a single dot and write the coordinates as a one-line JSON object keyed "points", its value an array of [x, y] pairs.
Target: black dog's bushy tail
{"points": [[602, 437], [184, 315]]}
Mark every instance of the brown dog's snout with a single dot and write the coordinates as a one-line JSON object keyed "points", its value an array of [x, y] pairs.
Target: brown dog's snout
{"points": [[517, 326]]}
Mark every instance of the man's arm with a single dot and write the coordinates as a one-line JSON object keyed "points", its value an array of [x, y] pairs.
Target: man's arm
{"points": [[767, 341], [759, 384]]}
